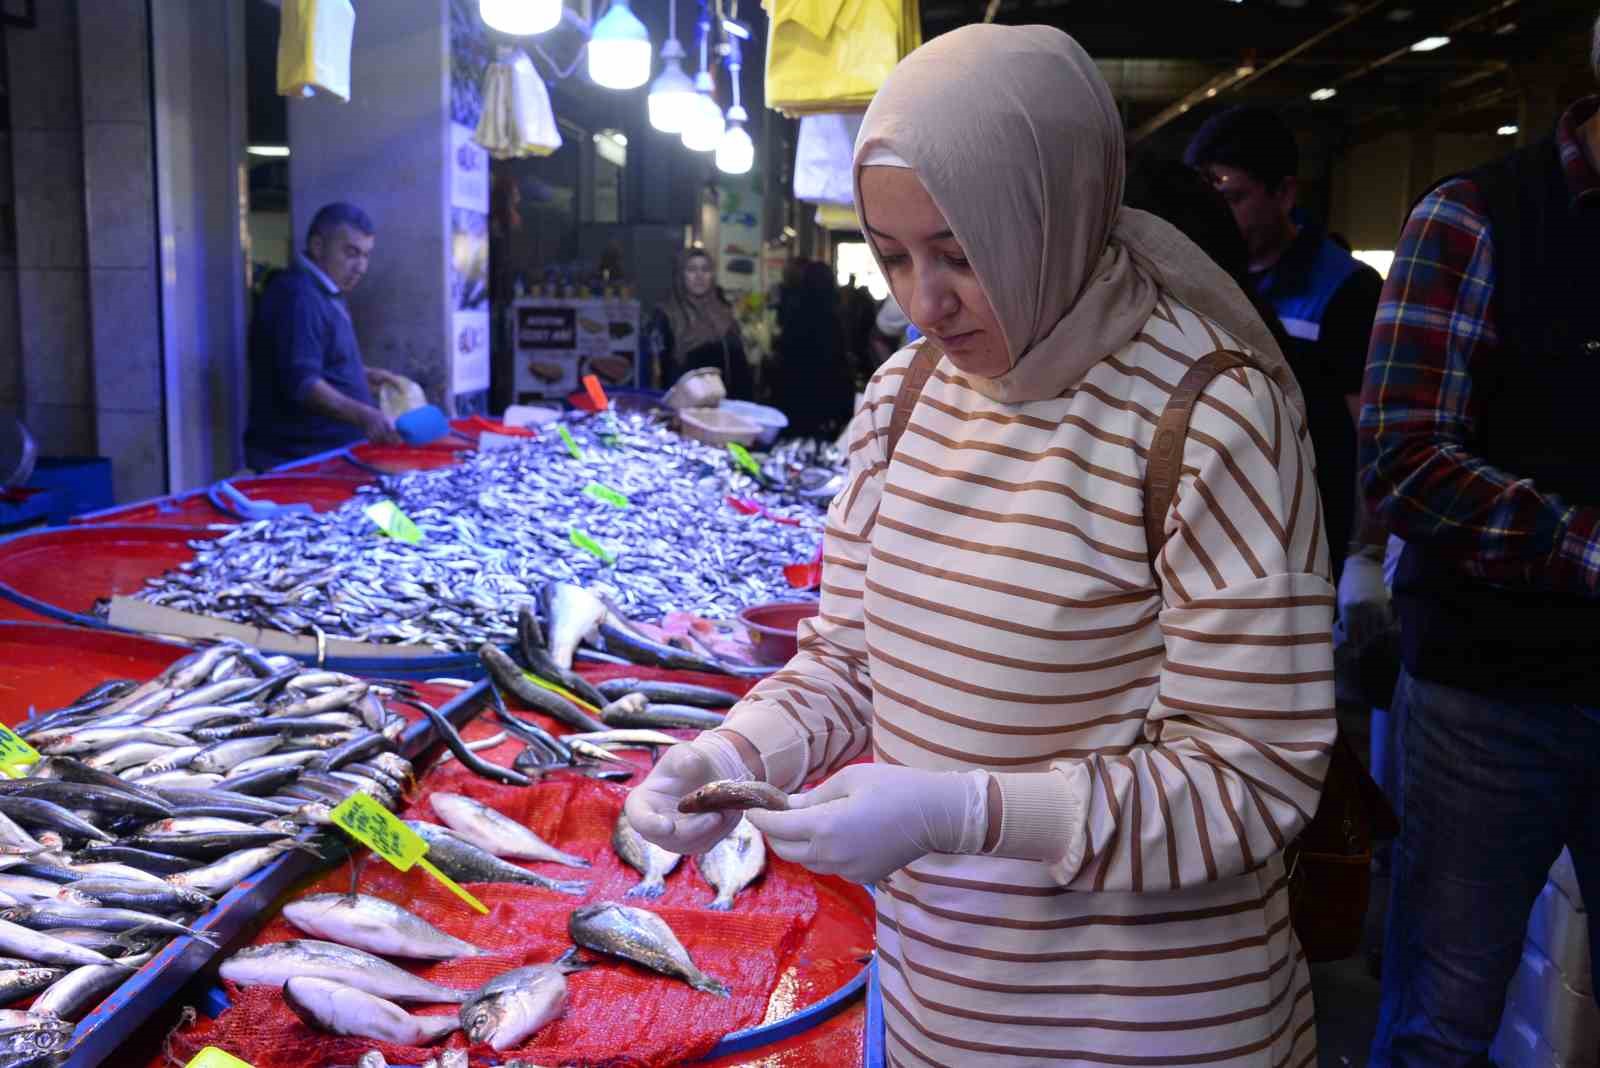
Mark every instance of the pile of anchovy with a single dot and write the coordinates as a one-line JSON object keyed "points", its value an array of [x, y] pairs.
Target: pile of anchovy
{"points": [[153, 800], [499, 525]]}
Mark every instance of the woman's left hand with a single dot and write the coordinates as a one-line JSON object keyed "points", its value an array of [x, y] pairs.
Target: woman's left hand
{"points": [[869, 820]]}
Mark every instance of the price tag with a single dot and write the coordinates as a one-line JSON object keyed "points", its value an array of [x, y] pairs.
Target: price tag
{"points": [[742, 457], [597, 393], [602, 492], [16, 755], [572, 446], [560, 691], [393, 522], [212, 1057], [589, 545], [380, 830]]}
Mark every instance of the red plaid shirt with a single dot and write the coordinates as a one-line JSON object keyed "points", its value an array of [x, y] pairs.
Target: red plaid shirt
{"points": [[1419, 413]]}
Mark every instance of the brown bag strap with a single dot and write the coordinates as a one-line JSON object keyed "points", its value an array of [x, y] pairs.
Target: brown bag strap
{"points": [[1165, 464], [905, 401]]}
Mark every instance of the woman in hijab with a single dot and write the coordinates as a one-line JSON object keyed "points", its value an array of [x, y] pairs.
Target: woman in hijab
{"points": [[696, 328], [1083, 766]]}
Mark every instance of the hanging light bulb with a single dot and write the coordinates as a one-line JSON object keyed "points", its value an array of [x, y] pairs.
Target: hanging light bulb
{"points": [[736, 153], [619, 49], [672, 93], [702, 120], [520, 18]]}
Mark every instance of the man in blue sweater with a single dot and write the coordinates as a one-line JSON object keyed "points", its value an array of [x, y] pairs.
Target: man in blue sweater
{"points": [[309, 390]]}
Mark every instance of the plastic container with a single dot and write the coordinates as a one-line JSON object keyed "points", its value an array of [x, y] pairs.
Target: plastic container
{"points": [[770, 420], [190, 510], [700, 388], [717, 427], [393, 459], [774, 627], [323, 493], [80, 484]]}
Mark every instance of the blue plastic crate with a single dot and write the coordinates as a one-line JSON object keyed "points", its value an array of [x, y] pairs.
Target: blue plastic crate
{"points": [[79, 484]]}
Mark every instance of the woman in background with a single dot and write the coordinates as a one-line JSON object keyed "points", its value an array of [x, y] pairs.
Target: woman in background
{"points": [[812, 381], [695, 328]]}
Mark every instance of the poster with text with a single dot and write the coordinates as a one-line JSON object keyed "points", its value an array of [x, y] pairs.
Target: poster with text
{"points": [[558, 341]]}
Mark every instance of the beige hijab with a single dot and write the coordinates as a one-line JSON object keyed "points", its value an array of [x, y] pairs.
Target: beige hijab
{"points": [[1014, 133]]}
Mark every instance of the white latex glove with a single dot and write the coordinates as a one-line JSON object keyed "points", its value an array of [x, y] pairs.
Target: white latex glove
{"points": [[652, 806], [869, 820], [1364, 598]]}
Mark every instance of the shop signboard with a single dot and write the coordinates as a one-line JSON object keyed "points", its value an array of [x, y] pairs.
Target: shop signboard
{"points": [[559, 340]]}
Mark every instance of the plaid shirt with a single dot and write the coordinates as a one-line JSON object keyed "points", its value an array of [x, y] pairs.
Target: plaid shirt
{"points": [[1419, 414]]}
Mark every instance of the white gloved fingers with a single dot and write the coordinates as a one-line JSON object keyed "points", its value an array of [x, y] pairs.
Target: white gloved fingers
{"points": [[794, 825]]}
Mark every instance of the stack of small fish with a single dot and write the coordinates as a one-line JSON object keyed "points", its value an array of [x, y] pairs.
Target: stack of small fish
{"points": [[499, 525], [153, 800]]}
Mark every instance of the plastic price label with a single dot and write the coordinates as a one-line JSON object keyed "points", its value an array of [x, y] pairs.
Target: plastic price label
{"points": [[393, 522], [16, 755], [742, 457], [572, 446], [560, 691], [362, 818], [212, 1057], [597, 393], [589, 545], [602, 492]]}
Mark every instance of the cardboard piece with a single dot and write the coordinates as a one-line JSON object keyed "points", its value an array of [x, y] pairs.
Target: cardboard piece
{"points": [[1567, 1022], [1562, 934], [155, 619]]}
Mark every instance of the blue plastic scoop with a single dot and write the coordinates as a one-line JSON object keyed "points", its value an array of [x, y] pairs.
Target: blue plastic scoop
{"points": [[421, 426]]}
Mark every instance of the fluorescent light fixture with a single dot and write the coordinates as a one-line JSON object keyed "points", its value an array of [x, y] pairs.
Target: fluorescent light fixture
{"points": [[1508, 130], [736, 153], [1320, 95], [1379, 260], [672, 93], [1430, 44], [619, 49], [269, 151], [1210, 93], [703, 126], [520, 18]]}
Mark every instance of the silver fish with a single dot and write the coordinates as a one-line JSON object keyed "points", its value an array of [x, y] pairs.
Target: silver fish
{"points": [[733, 864], [220, 877], [574, 615], [509, 1008], [487, 829], [278, 962], [465, 862], [639, 936], [375, 925], [647, 858], [345, 1010]]}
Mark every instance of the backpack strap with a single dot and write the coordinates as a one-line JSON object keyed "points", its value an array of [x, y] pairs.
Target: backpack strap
{"points": [[905, 400], [1165, 463]]}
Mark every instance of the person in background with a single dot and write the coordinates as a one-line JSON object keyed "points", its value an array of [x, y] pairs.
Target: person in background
{"points": [[696, 328], [889, 329], [309, 390], [812, 382], [1478, 449], [1325, 299]]}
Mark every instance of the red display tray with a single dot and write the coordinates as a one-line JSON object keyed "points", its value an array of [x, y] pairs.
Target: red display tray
{"points": [[322, 492], [393, 459], [48, 665], [64, 570], [189, 510]]}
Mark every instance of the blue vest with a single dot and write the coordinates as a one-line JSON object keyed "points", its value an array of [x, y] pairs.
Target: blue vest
{"points": [[1301, 285]]}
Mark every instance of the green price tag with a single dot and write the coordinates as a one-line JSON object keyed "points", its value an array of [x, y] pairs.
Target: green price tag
{"points": [[601, 492], [212, 1057], [742, 457], [393, 522], [588, 544], [572, 446], [16, 755], [380, 830]]}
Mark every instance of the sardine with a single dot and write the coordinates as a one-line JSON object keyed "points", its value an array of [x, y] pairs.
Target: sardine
{"points": [[641, 937], [676, 693], [634, 711]]}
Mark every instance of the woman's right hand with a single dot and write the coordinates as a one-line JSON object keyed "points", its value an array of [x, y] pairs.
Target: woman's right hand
{"points": [[652, 806]]}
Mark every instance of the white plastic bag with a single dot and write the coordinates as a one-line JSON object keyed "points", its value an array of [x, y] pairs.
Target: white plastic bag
{"points": [[314, 42], [517, 120], [399, 395], [823, 159]]}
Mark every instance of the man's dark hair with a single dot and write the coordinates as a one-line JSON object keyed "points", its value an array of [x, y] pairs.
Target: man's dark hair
{"points": [[1253, 140], [332, 216]]}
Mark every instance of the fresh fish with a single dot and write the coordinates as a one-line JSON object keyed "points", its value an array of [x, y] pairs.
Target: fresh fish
{"points": [[140, 895], [641, 937], [479, 825], [219, 758], [99, 739], [344, 1010], [223, 875], [36, 812], [624, 738], [646, 858], [537, 658], [477, 745], [278, 962], [35, 1044], [81, 989], [733, 864], [635, 711], [77, 795], [211, 846], [44, 915], [729, 796], [465, 862], [574, 615], [509, 677], [143, 859], [19, 983], [19, 941], [514, 1005], [676, 693], [375, 925]]}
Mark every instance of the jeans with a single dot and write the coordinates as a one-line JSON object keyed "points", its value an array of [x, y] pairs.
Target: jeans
{"points": [[1492, 791]]}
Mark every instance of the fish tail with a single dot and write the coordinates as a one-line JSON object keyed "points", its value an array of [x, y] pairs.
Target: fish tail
{"points": [[723, 903], [710, 985], [650, 888], [572, 961], [575, 887]]}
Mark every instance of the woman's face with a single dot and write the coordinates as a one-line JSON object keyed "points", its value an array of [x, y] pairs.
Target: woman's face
{"points": [[697, 276], [928, 271]]}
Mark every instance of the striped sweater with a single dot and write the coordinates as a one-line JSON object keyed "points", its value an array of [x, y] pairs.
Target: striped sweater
{"points": [[988, 603]]}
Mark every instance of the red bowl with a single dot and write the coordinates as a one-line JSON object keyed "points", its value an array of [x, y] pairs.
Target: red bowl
{"points": [[773, 626]]}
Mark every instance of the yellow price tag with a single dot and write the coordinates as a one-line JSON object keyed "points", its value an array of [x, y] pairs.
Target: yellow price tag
{"points": [[380, 830], [16, 755], [393, 522], [742, 457], [560, 690], [212, 1057]]}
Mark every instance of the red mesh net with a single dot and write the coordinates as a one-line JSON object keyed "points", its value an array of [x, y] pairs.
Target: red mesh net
{"points": [[617, 1013]]}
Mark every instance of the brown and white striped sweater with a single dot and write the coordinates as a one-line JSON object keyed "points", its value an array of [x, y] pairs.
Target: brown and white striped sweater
{"points": [[987, 602]]}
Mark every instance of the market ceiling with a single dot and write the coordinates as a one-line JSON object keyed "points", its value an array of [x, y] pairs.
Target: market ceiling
{"points": [[1172, 62]]}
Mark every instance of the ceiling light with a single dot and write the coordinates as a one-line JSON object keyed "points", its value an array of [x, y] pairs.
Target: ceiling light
{"points": [[619, 49], [520, 18], [672, 93], [1210, 93], [1319, 95], [1245, 70], [703, 125], [1508, 130], [269, 151], [1429, 44], [736, 153]]}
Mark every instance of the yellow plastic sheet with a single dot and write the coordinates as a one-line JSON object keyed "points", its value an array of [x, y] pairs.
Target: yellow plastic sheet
{"points": [[314, 40], [832, 55]]}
